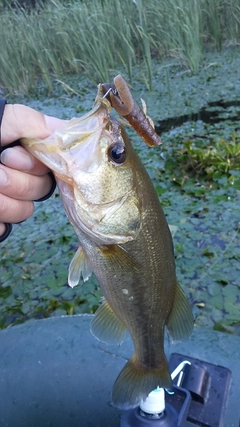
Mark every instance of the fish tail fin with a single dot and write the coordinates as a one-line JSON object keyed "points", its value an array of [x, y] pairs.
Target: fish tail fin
{"points": [[137, 380]]}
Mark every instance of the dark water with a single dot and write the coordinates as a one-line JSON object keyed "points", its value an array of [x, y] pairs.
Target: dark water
{"points": [[212, 112]]}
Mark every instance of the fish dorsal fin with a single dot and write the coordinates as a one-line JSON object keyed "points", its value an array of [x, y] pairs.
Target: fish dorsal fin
{"points": [[106, 326], [180, 321], [79, 267]]}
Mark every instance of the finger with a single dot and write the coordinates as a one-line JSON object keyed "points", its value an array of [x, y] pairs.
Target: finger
{"points": [[52, 123], [6, 229], [12, 210], [23, 186], [2, 229], [18, 158], [20, 121]]}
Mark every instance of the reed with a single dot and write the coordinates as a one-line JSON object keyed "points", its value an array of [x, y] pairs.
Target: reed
{"points": [[99, 38]]}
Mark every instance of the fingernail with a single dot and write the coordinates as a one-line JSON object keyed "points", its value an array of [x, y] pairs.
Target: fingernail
{"points": [[3, 178], [52, 123], [16, 158], [2, 229]]}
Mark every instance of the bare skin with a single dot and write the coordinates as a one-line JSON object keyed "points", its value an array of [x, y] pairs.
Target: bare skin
{"points": [[22, 177]]}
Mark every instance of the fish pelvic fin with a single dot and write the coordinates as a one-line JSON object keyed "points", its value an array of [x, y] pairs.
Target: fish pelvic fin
{"points": [[79, 267], [180, 321], [137, 380], [106, 326]]}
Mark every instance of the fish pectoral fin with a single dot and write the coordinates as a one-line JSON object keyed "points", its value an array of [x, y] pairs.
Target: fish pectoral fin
{"points": [[79, 267], [137, 380], [119, 258], [180, 321], [106, 326]]}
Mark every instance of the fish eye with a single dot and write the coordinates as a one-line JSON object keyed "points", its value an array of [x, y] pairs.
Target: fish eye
{"points": [[116, 153]]}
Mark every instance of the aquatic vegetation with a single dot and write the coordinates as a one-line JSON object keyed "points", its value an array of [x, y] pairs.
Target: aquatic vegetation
{"points": [[203, 207], [211, 156]]}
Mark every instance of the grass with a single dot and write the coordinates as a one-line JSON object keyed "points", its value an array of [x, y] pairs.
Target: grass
{"points": [[97, 38]]}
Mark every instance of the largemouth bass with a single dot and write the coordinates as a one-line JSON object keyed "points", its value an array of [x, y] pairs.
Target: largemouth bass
{"points": [[124, 239]]}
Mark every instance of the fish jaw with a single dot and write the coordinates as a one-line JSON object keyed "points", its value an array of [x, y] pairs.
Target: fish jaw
{"points": [[99, 196], [109, 224], [68, 147]]}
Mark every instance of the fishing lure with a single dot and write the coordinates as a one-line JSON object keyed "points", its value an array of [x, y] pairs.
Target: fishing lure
{"points": [[120, 98]]}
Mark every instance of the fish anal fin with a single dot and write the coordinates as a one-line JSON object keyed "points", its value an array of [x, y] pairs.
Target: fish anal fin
{"points": [[106, 326], [136, 381], [79, 267], [180, 321]]}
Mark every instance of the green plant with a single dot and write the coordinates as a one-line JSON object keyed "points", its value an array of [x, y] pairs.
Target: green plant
{"points": [[76, 37], [210, 156]]}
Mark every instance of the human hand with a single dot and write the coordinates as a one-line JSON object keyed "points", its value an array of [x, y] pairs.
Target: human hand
{"points": [[22, 177]]}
